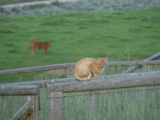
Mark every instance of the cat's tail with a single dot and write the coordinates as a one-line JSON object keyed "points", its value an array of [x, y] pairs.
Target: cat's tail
{"points": [[84, 79]]}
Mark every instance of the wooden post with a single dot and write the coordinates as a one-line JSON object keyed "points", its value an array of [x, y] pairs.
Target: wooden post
{"points": [[91, 105], [35, 108], [70, 72], [55, 106]]}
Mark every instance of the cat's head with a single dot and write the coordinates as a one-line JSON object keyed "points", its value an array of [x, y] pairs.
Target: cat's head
{"points": [[102, 62]]}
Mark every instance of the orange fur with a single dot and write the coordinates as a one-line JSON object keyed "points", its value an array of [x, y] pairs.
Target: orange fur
{"points": [[88, 67], [40, 45]]}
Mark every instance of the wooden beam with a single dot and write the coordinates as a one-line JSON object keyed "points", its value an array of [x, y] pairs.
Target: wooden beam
{"points": [[67, 65], [18, 90], [43, 83], [104, 84], [34, 69]]}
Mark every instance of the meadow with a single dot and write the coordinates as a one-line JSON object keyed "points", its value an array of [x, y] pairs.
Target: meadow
{"points": [[75, 36]]}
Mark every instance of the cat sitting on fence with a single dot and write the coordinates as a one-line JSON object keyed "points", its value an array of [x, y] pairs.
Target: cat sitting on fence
{"points": [[88, 67], [39, 45]]}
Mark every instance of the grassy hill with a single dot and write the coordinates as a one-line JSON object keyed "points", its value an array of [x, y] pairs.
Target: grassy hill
{"points": [[125, 35]]}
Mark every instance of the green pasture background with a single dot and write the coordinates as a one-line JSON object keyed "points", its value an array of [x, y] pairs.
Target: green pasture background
{"points": [[125, 35]]}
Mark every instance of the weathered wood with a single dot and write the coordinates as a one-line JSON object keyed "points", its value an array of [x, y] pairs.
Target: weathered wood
{"points": [[55, 106], [91, 112], [17, 90], [131, 69], [70, 72], [104, 84], [67, 65], [132, 63], [43, 83], [25, 110], [35, 107], [34, 69], [29, 111]]}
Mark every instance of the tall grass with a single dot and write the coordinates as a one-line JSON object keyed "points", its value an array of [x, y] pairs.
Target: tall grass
{"points": [[117, 104], [122, 104]]}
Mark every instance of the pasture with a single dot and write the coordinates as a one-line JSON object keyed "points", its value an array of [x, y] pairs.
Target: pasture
{"points": [[125, 35]]}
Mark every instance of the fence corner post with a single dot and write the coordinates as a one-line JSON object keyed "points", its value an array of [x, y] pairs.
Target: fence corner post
{"points": [[55, 106]]}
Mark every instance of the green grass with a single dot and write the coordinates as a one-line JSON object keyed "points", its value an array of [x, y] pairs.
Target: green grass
{"points": [[122, 104], [116, 35], [118, 104]]}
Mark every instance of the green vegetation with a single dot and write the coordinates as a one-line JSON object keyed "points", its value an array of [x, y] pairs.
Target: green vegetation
{"points": [[75, 36], [121, 104]]}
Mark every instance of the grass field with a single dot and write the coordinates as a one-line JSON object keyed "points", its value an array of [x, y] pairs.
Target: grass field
{"points": [[125, 35]]}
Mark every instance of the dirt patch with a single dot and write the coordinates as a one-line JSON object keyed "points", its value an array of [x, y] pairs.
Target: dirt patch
{"points": [[57, 71]]}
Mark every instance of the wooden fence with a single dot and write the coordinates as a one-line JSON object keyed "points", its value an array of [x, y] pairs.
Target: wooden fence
{"points": [[31, 108], [135, 64], [56, 87], [56, 91]]}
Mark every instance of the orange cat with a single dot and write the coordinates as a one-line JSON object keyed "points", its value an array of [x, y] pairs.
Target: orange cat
{"points": [[88, 67]]}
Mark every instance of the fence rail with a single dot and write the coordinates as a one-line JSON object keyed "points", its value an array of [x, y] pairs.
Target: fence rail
{"points": [[68, 65], [18, 90], [104, 84], [43, 83], [131, 69]]}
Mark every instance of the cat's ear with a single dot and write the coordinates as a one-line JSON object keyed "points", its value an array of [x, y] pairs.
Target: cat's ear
{"points": [[99, 58], [106, 58]]}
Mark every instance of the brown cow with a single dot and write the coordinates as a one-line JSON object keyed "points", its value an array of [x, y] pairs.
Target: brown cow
{"points": [[39, 45]]}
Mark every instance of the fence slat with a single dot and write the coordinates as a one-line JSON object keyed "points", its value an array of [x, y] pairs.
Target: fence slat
{"points": [[55, 106], [19, 90], [104, 84]]}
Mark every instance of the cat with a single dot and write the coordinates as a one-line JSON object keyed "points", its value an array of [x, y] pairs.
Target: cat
{"points": [[40, 45], [88, 67]]}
